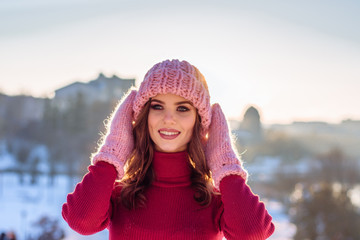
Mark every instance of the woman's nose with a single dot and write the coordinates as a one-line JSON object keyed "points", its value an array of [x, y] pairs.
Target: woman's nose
{"points": [[169, 117]]}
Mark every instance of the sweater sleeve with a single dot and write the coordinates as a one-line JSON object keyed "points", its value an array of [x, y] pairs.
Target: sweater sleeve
{"points": [[244, 216], [88, 208]]}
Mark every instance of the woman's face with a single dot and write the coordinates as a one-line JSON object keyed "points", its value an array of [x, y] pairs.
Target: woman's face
{"points": [[171, 121]]}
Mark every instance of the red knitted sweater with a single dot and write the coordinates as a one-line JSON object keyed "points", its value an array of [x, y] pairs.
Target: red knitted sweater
{"points": [[171, 211]]}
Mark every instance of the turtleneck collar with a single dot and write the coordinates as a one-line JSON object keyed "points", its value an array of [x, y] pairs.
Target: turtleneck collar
{"points": [[171, 169]]}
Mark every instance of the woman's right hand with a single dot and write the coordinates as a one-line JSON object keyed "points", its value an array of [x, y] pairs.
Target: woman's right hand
{"points": [[119, 141]]}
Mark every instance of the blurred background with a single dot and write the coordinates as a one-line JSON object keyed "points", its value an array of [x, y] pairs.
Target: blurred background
{"points": [[286, 74]]}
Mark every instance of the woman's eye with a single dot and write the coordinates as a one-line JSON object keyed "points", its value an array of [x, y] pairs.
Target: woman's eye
{"points": [[183, 109], [156, 107]]}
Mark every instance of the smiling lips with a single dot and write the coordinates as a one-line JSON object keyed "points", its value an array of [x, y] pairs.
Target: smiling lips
{"points": [[168, 134]]}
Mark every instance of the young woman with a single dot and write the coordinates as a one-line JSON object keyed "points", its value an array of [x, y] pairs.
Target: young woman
{"points": [[166, 168]]}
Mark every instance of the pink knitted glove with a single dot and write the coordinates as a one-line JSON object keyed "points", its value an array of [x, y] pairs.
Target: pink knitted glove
{"points": [[220, 155], [119, 140]]}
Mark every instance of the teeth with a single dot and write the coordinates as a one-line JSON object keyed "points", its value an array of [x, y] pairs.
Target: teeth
{"points": [[169, 133]]}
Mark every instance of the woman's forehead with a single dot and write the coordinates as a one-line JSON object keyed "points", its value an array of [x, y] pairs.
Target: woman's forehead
{"points": [[171, 99]]}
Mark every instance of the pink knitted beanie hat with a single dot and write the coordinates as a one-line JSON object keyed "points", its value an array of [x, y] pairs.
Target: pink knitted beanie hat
{"points": [[179, 78]]}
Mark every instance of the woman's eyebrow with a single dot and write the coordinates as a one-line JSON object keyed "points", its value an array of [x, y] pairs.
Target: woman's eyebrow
{"points": [[183, 102], [155, 100], [177, 103]]}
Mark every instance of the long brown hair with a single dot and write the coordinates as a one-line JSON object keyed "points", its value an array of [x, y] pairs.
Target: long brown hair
{"points": [[139, 173]]}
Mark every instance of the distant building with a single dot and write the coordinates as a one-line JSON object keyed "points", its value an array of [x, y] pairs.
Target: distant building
{"points": [[352, 126], [250, 130], [102, 89], [21, 109]]}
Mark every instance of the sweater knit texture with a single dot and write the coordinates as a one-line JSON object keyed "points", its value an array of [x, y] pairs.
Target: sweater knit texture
{"points": [[171, 211]]}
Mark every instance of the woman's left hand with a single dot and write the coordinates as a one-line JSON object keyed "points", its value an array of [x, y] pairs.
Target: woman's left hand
{"points": [[220, 155]]}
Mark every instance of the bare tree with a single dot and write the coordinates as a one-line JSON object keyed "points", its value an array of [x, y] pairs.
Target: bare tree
{"points": [[321, 205]]}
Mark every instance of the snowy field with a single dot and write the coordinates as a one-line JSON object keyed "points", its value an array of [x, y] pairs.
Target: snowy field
{"points": [[22, 205]]}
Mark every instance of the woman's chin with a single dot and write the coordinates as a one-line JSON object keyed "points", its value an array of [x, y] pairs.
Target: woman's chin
{"points": [[169, 149]]}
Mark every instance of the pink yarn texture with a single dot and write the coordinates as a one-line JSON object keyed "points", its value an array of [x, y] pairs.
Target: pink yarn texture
{"points": [[220, 155], [179, 78], [119, 140]]}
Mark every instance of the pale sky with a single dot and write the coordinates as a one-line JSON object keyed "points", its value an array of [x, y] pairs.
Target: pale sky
{"points": [[293, 60]]}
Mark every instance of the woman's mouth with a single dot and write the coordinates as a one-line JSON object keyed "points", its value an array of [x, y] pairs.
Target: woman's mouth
{"points": [[168, 134]]}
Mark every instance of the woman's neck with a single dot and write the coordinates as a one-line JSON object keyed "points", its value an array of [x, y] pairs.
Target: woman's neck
{"points": [[171, 169]]}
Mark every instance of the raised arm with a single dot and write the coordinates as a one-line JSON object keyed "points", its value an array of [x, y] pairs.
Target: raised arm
{"points": [[88, 208], [244, 216]]}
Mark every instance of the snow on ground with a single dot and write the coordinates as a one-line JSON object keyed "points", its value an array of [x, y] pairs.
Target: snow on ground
{"points": [[284, 230], [22, 205]]}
